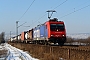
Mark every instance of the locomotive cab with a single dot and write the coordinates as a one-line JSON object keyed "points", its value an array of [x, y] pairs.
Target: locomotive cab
{"points": [[56, 31]]}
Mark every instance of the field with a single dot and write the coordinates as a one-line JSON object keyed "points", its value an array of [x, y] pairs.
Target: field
{"points": [[43, 52], [3, 52]]}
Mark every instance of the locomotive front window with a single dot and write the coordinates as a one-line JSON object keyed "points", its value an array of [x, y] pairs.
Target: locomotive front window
{"points": [[55, 27]]}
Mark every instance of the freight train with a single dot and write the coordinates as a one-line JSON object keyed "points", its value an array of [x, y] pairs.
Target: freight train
{"points": [[52, 31]]}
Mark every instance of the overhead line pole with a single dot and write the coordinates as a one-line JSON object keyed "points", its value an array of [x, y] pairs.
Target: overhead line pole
{"points": [[17, 29], [10, 35]]}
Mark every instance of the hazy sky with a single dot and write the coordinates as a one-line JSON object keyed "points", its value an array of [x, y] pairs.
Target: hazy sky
{"points": [[75, 14]]}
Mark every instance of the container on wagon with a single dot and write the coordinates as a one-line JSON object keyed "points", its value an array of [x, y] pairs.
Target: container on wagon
{"points": [[24, 35], [36, 33], [30, 35]]}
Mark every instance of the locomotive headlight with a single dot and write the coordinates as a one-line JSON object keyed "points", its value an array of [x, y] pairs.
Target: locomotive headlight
{"points": [[63, 35], [52, 35]]}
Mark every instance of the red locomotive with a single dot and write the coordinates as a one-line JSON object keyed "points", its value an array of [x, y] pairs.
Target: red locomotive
{"points": [[52, 31], [56, 31]]}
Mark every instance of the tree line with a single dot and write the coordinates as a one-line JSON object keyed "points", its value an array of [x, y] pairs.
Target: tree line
{"points": [[2, 36], [70, 40]]}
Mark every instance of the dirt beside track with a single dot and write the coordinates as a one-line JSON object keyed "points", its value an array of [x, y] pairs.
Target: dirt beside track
{"points": [[3, 52], [55, 52]]}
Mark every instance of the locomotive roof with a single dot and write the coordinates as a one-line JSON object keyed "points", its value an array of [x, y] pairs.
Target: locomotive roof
{"points": [[51, 20], [54, 20]]}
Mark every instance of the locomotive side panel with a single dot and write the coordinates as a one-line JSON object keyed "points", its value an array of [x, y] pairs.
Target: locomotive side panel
{"points": [[47, 30]]}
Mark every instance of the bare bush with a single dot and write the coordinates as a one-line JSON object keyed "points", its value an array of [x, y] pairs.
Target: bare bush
{"points": [[2, 35], [69, 40], [88, 40], [3, 52]]}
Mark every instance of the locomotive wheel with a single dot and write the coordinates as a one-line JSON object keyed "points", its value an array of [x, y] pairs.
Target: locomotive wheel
{"points": [[61, 43]]}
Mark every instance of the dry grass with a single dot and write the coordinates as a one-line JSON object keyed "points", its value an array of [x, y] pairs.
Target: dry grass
{"points": [[3, 53], [70, 40], [47, 53], [55, 52], [50, 57]]}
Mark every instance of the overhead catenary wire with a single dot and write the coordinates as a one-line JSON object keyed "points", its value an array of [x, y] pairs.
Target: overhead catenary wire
{"points": [[60, 4], [75, 11], [27, 9], [53, 9], [66, 14], [74, 8]]}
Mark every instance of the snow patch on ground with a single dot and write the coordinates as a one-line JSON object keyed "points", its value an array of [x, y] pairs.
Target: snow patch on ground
{"points": [[15, 54]]}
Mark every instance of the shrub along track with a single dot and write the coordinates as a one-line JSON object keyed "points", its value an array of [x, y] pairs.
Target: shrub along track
{"points": [[55, 52]]}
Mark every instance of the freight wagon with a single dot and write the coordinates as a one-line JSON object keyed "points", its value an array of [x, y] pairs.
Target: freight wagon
{"points": [[27, 36], [24, 36]]}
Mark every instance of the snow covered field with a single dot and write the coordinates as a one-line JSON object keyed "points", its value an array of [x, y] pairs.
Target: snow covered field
{"points": [[79, 35], [14, 53]]}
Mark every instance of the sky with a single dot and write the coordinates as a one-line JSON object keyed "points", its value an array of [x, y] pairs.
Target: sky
{"points": [[75, 14]]}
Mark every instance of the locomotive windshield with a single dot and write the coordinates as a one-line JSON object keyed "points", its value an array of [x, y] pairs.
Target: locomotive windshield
{"points": [[57, 27]]}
